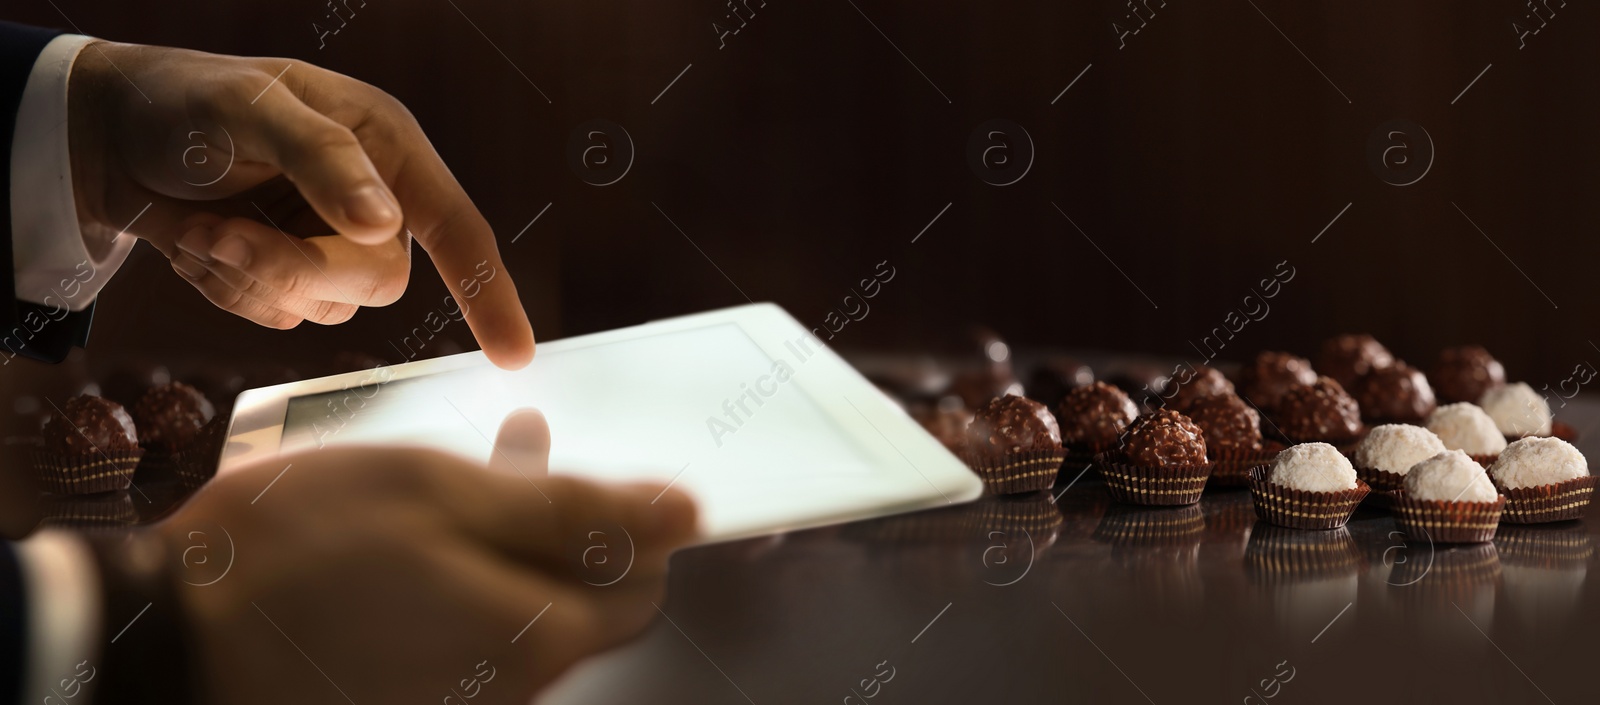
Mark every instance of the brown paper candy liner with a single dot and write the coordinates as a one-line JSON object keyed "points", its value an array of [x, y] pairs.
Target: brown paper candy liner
{"points": [[1277, 553], [1032, 513], [1447, 522], [1564, 431], [1157, 485], [85, 473], [1379, 480], [1231, 468], [1556, 547], [1162, 528], [1015, 473], [1485, 459], [1298, 509], [1345, 445], [1448, 574], [194, 465], [1562, 501], [107, 510]]}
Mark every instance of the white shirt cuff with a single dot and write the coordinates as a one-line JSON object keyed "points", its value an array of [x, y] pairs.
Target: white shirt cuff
{"points": [[62, 585], [53, 265]]}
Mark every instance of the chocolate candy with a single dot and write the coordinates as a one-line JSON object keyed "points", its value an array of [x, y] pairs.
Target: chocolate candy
{"points": [[1164, 438], [1465, 373], [1395, 394], [1013, 424], [1264, 380], [1320, 411], [946, 419], [1053, 378], [220, 384], [1141, 380], [1093, 416], [89, 425], [991, 347], [977, 386], [1231, 426], [171, 415], [1193, 383], [129, 381], [1346, 358]]}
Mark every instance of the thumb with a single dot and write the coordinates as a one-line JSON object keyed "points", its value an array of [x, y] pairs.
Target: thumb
{"points": [[522, 445]]}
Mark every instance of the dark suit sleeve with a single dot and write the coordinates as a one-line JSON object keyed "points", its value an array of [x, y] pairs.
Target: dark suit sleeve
{"points": [[40, 332], [13, 626]]}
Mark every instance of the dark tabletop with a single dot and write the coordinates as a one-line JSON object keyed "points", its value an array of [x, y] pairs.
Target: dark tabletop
{"points": [[1070, 597], [1067, 596]]}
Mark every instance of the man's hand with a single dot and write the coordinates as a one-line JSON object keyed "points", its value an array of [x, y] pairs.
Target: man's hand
{"points": [[405, 575], [283, 192]]}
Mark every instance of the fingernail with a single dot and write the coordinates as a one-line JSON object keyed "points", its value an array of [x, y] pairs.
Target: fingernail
{"points": [[232, 251], [196, 242], [371, 205], [188, 267]]}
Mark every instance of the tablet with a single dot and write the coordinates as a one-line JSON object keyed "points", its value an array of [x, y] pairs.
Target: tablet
{"points": [[745, 409]]}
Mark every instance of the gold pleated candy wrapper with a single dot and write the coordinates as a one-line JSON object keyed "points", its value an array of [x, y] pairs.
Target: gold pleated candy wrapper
{"points": [[104, 511], [1562, 547], [1379, 480], [1448, 522], [1383, 484], [1345, 445], [1032, 513], [1152, 528], [1170, 485], [1015, 473], [1298, 509], [1485, 459], [1562, 501], [1448, 574], [1232, 469], [86, 473], [198, 463], [1563, 431], [1276, 553]]}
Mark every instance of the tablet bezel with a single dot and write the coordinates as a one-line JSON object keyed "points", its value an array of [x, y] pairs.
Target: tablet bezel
{"points": [[256, 429]]}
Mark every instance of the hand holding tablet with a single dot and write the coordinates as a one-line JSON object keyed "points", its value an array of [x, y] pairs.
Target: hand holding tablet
{"points": [[744, 409], [409, 553]]}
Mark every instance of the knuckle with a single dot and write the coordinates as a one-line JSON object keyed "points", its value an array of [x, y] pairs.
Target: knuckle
{"points": [[285, 276], [387, 288], [329, 312], [315, 141]]}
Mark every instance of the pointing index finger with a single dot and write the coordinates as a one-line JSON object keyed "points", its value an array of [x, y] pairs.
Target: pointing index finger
{"points": [[464, 250]]}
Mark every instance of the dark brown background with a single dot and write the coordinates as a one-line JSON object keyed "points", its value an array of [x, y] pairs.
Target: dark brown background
{"points": [[809, 149]]}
